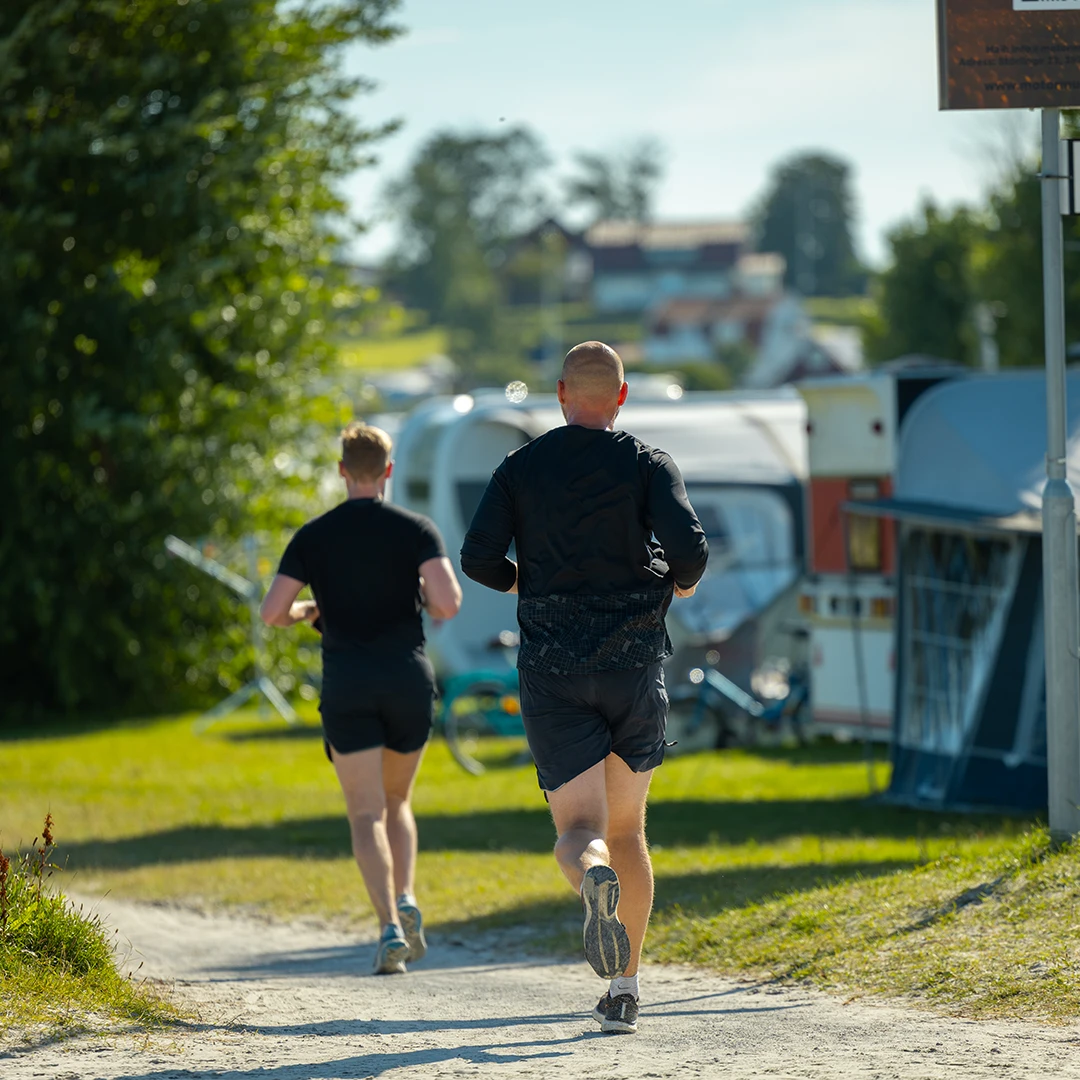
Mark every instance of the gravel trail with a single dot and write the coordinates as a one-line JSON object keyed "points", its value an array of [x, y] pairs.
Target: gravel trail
{"points": [[295, 1002]]}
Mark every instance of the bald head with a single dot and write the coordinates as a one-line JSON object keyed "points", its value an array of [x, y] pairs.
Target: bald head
{"points": [[593, 374]]}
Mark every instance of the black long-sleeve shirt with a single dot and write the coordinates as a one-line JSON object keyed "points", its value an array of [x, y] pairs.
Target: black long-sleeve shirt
{"points": [[603, 530]]}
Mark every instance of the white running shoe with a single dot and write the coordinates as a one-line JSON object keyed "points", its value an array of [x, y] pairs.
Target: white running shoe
{"points": [[412, 922], [392, 952]]}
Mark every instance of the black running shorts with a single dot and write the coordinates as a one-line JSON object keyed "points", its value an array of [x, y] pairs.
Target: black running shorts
{"points": [[574, 721], [385, 702]]}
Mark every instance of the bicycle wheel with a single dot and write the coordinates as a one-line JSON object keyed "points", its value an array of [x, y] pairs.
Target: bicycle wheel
{"points": [[474, 725]]}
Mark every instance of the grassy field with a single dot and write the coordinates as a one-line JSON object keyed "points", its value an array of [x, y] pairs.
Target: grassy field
{"points": [[393, 353], [771, 864]]}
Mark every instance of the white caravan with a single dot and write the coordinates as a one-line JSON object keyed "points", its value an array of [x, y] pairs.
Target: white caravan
{"points": [[743, 456], [849, 593]]}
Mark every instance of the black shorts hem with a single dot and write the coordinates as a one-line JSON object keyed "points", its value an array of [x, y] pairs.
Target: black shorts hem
{"points": [[644, 762], [638, 763], [566, 780], [372, 740]]}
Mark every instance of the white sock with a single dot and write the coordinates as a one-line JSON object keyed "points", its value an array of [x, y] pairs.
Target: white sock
{"points": [[406, 898], [624, 984]]}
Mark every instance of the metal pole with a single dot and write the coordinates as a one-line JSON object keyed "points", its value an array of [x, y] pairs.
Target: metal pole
{"points": [[1060, 583]]}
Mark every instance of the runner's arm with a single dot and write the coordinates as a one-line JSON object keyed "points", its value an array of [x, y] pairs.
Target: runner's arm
{"points": [[483, 554], [439, 588], [676, 526], [280, 606]]}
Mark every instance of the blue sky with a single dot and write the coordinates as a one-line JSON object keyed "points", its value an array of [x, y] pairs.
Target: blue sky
{"points": [[729, 87]]}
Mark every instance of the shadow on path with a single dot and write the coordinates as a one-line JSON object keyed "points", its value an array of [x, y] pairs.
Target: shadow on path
{"points": [[689, 823]]}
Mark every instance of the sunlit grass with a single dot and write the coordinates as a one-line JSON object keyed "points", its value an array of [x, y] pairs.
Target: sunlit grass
{"points": [[393, 353], [772, 863]]}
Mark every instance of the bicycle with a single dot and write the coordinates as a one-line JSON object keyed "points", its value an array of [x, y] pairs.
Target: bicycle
{"points": [[703, 711], [481, 715]]}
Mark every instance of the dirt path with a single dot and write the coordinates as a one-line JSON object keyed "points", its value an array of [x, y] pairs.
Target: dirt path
{"points": [[280, 1002]]}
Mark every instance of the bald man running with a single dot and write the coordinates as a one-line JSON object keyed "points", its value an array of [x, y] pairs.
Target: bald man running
{"points": [[605, 535]]}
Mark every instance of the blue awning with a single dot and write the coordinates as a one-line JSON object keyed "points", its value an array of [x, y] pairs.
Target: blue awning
{"points": [[936, 514]]}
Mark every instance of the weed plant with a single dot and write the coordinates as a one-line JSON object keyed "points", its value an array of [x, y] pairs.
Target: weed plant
{"points": [[57, 969]]}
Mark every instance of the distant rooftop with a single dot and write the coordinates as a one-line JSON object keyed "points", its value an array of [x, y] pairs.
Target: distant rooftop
{"points": [[668, 235], [762, 262]]}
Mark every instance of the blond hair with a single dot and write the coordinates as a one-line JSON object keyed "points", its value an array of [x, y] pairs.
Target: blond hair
{"points": [[365, 451]]}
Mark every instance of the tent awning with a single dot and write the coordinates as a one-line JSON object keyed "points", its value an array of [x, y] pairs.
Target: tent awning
{"points": [[935, 514]]}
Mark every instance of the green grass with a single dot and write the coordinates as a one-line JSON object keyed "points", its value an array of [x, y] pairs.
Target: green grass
{"points": [[392, 353], [525, 327], [842, 310], [57, 970], [772, 864]]}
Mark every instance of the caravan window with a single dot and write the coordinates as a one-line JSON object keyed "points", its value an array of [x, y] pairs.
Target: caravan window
{"points": [[752, 525], [753, 556], [864, 542], [713, 524], [864, 538], [469, 494]]}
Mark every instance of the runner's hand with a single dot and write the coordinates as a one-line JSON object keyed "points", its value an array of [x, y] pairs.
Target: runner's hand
{"points": [[304, 611], [685, 592]]}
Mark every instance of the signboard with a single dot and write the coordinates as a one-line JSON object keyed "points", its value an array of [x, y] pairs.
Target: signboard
{"points": [[1009, 54]]}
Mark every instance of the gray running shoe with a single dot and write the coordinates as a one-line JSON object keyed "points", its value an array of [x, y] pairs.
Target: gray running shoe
{"points": [[601, 1009], [392, 952], [607, 945], [412, 923], [620, 1016]]}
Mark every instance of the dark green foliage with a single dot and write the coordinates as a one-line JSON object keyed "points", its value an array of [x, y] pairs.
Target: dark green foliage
{"points": [[806, 215], [461, 203], [944, 264], [619, 186], [1010, 270], [928, 292], [167, 279]]}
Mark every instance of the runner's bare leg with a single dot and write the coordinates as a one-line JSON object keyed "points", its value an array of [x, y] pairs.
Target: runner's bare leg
{"points": [[361, 779], [626, 795], [399, 775], [579, 810]]}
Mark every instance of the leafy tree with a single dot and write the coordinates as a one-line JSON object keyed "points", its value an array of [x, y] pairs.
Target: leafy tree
{"points": [[167, 271], [928, 293], [806, 215], [617, 186], [463, 199], [1009, 269]]}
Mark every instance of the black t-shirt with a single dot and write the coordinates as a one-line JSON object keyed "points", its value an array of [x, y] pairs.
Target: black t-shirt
{"points": [[362, 562], [603, 530]]}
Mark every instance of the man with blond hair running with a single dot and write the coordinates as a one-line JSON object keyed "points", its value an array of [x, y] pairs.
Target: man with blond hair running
{"points": [[605, 536], [372, 567]]}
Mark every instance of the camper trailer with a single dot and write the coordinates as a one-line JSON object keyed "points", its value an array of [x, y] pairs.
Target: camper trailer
{"points": [[849, 593], [743, 457], [970, 724]]}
